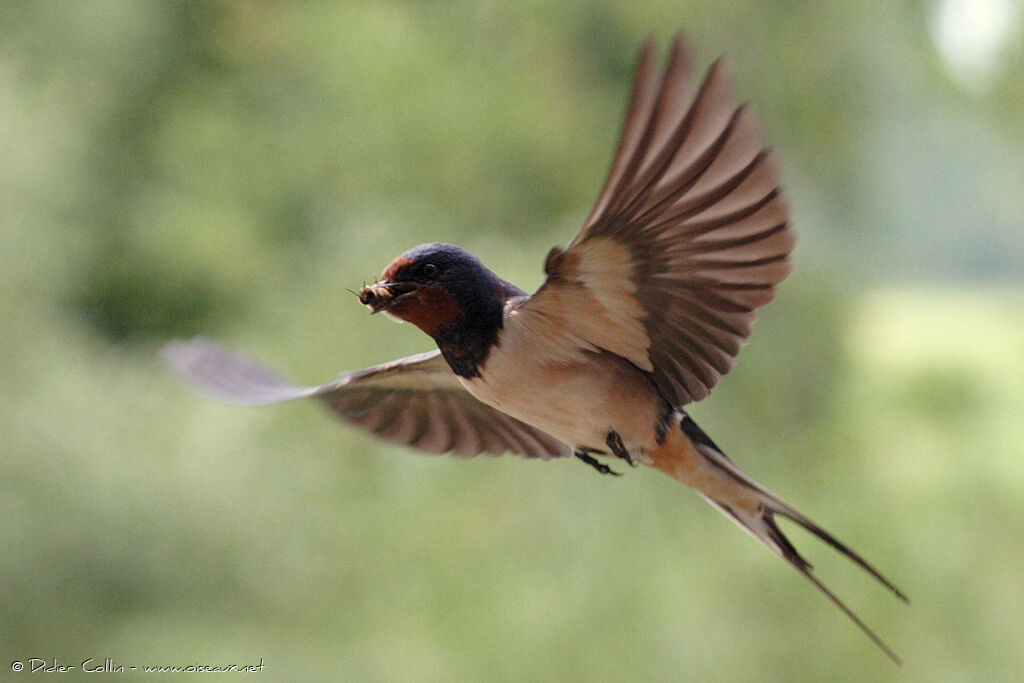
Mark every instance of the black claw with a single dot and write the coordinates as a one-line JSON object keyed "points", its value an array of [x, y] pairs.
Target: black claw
{"points": [[614, 442], [599, 466]]}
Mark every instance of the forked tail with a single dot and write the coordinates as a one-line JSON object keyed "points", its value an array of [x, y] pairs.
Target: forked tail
{"points": [[689, 455]]}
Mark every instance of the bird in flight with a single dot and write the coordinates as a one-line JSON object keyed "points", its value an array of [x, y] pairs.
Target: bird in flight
{"points": [[642, 313]]}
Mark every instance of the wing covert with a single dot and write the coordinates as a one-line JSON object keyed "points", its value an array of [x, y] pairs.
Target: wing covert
{"points": [[687, 238]]}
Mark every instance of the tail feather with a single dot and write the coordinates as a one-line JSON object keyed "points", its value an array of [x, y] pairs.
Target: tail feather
{"points": [[762, 526], [698, 462], [793, 515]]}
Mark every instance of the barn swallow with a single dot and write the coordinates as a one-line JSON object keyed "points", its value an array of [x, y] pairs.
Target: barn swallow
{"points": [[642, 313]]}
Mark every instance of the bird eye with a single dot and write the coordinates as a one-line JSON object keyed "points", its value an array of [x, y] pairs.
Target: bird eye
{"points": [[431, 271]]}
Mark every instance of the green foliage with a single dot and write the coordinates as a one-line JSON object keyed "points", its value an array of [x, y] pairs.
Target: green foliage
{"points": [[232, 167]]}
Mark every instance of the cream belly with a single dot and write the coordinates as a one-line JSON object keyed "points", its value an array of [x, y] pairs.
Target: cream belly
{"points": [[577, 402]]}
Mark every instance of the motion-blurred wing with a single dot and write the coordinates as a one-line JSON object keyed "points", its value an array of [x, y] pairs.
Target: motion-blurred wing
{"points": [[416, 401], [686, 241]]}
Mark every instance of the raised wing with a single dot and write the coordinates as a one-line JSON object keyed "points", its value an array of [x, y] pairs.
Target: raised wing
{"points": [[686, 241], [415, 401]]}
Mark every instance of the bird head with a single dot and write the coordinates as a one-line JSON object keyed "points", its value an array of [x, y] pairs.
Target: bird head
{"points": [[436, 287]]}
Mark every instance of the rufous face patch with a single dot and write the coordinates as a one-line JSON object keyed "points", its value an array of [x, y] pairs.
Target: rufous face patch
{"points": [[427, 307], [395, 267]]}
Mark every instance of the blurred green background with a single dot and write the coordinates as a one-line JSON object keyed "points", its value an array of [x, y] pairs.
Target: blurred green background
{"points": [[230, 168]]}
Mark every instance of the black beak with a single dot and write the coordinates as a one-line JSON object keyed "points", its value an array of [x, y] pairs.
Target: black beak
{"points": [[380, 295]]}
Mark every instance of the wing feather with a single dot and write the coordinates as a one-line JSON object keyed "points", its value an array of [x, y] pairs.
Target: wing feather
{"points": [[687, 239], [415, 401]]}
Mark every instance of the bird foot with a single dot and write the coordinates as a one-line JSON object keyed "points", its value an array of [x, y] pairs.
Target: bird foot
{"points": [[614, 442], [593, 462]]}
